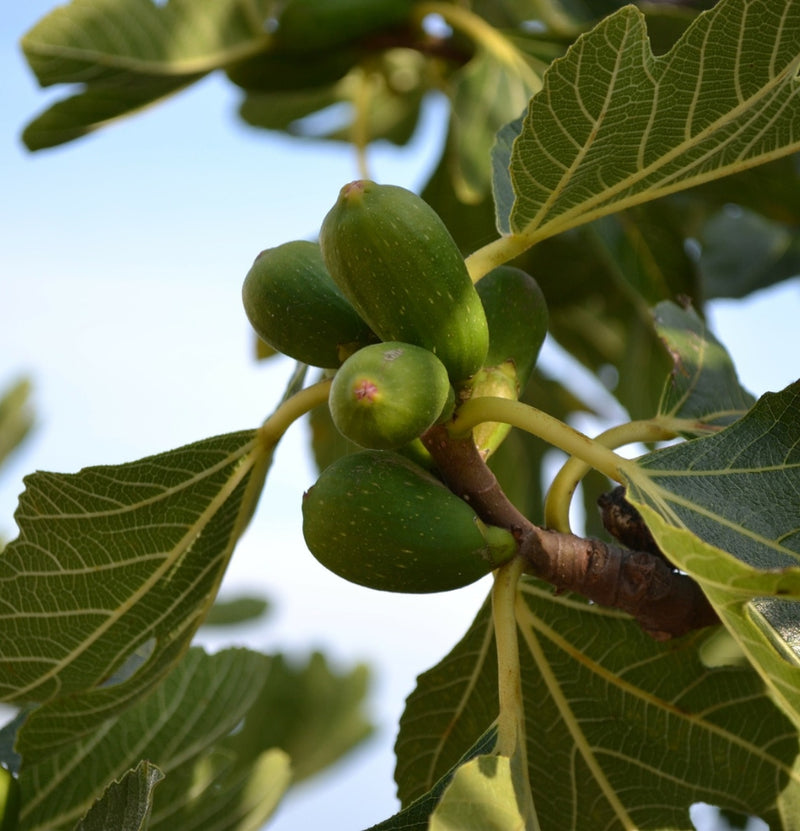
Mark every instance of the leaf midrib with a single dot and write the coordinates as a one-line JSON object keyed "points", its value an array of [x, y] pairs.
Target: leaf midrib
{"points": [[172, 556], [598, 205]]}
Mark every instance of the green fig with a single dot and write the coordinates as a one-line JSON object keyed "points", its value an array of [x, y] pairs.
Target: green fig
{"points": [[378, 520], [312, 25], [296, 308], [516, 312], [387, 394], [395, 260]]}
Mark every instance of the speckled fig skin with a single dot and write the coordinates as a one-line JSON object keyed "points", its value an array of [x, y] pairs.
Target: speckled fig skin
{"points": [[395, 260], [516, 312], [295, 307], [387, 394], [376, 519]]}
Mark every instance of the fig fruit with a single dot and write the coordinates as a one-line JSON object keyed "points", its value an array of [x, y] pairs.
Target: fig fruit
{"points": [[395, 260], [516, 312], [387, 394], [378, 520], [295, 307], [311, 25], [286, 71]]}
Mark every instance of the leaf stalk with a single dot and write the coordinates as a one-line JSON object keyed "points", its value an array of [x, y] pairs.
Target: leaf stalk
{"points": [[538, 423]]}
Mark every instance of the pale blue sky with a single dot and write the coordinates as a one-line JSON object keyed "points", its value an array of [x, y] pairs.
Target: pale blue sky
{"points": [[120, 274]]}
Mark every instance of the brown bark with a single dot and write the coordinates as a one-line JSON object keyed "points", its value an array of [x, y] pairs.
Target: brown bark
{"points": [[665, 602]]}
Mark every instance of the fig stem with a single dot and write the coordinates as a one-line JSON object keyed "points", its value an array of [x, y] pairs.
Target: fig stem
{"points": [[288, 411], [562, 488], [495, 253], [511, 718], [541, 424]]}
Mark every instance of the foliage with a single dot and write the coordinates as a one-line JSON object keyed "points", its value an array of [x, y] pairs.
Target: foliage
{"points": [[599, 140]]}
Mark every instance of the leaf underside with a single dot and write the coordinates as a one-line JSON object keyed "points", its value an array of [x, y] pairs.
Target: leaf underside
{"points": [[615, 125], [111, 574], [621, 732]]}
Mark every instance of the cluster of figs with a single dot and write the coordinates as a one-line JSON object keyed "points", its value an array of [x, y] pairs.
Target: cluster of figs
{"points": [[384, 301]]}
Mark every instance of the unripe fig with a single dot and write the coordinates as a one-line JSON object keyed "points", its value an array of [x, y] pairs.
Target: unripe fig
{"points": [[283, 70], [516, 312], [378, 520], [387, 394], [397, 263], [311, 25], [295, 307]]}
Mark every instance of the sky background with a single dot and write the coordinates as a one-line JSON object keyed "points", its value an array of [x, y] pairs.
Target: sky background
{"points": [[121, 266]]}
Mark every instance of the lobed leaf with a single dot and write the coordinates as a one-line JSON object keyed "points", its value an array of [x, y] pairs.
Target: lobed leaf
{"points": [[725, 510], [737, 490], [621, 731], [113, 571], [615, 125], [126, 803], [183, 727], [129, 53]]}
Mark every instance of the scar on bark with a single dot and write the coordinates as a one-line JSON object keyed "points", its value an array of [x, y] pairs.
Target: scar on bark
{"points": [[634, 577]]}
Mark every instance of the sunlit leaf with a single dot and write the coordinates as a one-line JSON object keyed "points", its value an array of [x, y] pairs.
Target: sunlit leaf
{"points": [[9, 801], [126, 804], [615, 125], [486, 94], [129, 53], [415, 816], [112, 573], [725, 508], [622, 732], [481, 797]]}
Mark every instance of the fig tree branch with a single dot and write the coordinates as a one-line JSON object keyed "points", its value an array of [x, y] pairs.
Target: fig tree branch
{"points": [[664, 602]]}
